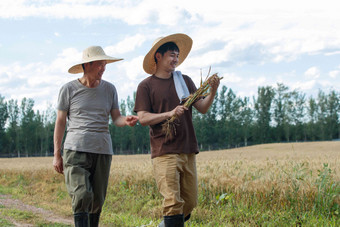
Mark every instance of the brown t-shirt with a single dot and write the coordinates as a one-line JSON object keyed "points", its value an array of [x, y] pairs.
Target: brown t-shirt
{"points": [[156, 95]]}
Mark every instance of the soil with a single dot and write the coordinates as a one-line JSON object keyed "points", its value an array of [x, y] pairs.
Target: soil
{"points": [[8, 202]]}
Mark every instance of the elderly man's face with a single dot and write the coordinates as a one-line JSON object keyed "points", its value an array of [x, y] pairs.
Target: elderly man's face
{"points": [[96, 69]]}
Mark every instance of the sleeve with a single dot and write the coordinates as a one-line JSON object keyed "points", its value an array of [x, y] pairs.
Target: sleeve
{"points": [[191, 86], [64, 99], [143, 102], [115, 104]]}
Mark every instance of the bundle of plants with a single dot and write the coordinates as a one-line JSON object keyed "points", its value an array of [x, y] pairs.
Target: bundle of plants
{"points": [[169, 126]]}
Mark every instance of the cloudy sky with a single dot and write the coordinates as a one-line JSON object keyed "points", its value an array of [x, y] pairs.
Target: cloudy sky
{"points": [[249, 43]]}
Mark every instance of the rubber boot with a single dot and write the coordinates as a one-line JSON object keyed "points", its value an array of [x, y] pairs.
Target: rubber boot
{"points": [[81, 220], [187, 217], [174, 221], [94, 219]]}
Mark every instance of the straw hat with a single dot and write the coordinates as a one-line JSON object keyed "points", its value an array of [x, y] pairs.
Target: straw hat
{"points": [[183, 42], [92, 53]]}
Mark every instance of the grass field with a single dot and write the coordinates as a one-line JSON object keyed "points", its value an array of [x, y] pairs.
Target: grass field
{"points": [[289, 184]]}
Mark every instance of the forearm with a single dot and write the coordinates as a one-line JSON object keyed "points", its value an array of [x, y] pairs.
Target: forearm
{"points": [[58, 138], [203, 105], [120, 121], [146, 118]]}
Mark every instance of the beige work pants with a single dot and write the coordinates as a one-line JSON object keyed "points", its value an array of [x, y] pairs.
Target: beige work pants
{"points": [[176, 179]]}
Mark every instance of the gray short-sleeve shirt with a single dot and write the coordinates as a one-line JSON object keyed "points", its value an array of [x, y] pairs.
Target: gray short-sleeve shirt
{"points": [[88, 111]]}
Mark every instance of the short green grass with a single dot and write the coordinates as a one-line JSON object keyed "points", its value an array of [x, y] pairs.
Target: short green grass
{"points": [[19, 215], [5, 222], [25, 217]]}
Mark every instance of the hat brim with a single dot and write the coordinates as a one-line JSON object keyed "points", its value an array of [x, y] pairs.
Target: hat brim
{"points": [[183, 42], [79, 69]]}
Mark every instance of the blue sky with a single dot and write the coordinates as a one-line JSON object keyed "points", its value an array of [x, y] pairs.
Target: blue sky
{"points": [[249, 43]]}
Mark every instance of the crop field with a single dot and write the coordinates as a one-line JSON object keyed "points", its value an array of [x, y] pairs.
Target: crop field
{"points": [[286, 184]]}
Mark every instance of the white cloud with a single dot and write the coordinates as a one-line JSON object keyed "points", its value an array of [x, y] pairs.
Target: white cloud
{"points": [[305, 85], [127, 45], [254, 83], [334, 74], [230, 78], [332, 53], [67, 58], [133, 69], [325, 83], [285, 30], [27, 81], [207, 59], [261, 81], [312, 73], [132, 12], [37, 80]]}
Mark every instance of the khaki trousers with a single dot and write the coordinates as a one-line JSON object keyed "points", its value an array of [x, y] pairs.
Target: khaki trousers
{"points": [[176, 179], [86, 179]]}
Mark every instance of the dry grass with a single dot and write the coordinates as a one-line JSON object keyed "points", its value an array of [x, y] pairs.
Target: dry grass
{"points": [[269, 159], [267, 156], [266, 172]]}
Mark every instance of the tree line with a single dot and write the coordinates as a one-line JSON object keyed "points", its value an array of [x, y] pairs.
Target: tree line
{"points": [[275, 114]]}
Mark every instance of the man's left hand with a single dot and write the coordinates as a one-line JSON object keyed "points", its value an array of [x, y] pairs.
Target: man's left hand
{"points": [[214, 82]]}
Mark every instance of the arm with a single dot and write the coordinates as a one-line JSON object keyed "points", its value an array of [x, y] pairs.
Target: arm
{"points": [[122, 121], [147, 118], [203, 105], [59, 130]]}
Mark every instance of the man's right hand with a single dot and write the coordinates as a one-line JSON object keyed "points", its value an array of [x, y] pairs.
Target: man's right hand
{"points": [[58, 163], [178, 111]]}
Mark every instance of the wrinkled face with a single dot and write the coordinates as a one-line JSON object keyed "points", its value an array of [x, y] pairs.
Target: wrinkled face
{"points": [[168, 61], [96, 69]]}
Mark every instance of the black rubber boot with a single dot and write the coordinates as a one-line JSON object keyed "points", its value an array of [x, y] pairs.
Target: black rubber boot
{"points": [[94, 219], [174, 221], [187, 217], [81, 220]]}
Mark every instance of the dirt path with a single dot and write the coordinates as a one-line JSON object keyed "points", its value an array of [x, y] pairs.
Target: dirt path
{"points": [[10, 203]]}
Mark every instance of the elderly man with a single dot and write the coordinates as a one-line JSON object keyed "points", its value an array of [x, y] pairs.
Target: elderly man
{"points": [[87, 103], [158, 98]]}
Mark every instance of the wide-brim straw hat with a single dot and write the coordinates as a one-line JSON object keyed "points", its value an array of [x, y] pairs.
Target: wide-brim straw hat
{"points": [[90, 54], [183, 41]]}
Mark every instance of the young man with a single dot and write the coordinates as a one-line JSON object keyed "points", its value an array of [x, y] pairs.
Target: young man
{"points": [[87, 103], [158, 98]]}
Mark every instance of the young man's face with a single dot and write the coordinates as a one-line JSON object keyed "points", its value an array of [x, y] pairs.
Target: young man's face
{"points": [[168, 61]]}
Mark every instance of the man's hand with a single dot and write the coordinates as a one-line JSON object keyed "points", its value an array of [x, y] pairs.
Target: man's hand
{"points": [[58, 163], [131, 120], [203, 105], [214, 82], [178, 111]]}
